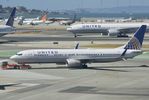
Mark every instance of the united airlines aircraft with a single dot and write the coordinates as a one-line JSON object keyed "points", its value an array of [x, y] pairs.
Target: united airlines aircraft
{"points": [[110, 29], [8, 28], [81, 57]]}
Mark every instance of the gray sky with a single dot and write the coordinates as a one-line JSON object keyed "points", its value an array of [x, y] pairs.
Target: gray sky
{"points": [[72, 4]]}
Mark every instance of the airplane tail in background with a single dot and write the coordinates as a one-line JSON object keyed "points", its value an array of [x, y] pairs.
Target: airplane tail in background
{"points": [[74, 18], [136, 41], [11, 17], [44, 18]]}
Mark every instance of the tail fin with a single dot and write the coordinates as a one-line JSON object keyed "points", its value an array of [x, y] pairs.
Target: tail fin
{"points": [[77, 46], [136, 41], [44, 18], [74, 18], [11, 17]]}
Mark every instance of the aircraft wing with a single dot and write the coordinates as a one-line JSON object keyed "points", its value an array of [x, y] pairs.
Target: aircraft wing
{"points": [[120, 31], [126, 30], [87, 59], [83, 59]]}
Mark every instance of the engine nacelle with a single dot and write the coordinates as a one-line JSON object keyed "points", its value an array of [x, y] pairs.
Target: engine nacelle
{"points": [[113, 32], [73, 63]]}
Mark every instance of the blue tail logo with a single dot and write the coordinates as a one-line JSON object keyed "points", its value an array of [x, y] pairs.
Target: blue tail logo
{"points": [[137, 40], [11, 17]]}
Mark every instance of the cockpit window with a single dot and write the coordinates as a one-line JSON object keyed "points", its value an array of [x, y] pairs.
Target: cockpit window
{"points": [[19, 54]]}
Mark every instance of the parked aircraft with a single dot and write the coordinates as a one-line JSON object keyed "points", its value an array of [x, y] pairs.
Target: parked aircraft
{"points": [[32, 21], [8, 27], [68, 22], [80, 57], [110, 29]]}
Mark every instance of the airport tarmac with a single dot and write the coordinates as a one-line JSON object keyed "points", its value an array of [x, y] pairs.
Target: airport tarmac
{"points": [[61, 35], [125, 80]]}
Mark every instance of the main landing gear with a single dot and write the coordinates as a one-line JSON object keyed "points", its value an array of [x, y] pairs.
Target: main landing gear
{"points": [[75, 35], [84, 66], [122, 35]]}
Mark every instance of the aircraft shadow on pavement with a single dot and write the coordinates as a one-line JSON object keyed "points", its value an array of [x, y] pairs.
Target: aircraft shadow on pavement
{"points": [[115, 68], [104, 68], [7, 41], [61, 67], [108, 91]]}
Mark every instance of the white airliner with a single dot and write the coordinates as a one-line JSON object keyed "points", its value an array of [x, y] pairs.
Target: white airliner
{"points": [[32, 21], [80, 57], [8, 27], [111, 29]]}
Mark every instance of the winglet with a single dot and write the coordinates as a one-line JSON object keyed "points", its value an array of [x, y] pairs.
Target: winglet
{"points": [[77, 46], [123, 54], [136, 41], [11, 17]]}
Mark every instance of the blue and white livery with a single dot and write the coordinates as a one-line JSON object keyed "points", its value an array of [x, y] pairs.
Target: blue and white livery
{"points": [[8, 27], [80, 57], [110, 29]]}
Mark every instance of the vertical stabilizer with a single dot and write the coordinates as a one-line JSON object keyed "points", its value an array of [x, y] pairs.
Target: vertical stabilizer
{"points": [[136, 41], [74, 18], [11, 17]]}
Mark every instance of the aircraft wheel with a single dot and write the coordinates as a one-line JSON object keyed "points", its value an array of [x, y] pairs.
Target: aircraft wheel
{"points": [[75, 35], [84, 66]]}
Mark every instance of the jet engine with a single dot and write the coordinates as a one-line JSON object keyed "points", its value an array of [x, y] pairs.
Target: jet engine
{"points": [[113, 32], [73, 63]]}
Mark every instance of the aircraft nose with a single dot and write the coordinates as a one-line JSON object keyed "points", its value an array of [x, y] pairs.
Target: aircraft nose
{"points": [[14, 57]]}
